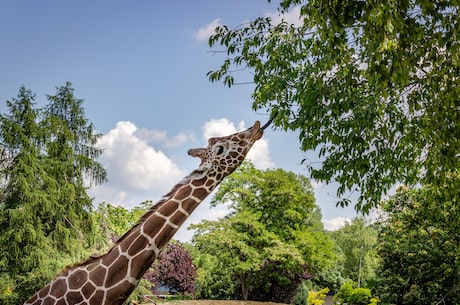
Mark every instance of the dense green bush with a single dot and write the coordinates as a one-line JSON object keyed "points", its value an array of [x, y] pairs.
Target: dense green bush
{"points": [[7, 295], [354, 296]]}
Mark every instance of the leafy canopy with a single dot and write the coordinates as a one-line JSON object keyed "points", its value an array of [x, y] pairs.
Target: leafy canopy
{"points": [[372, 86], [273, 239], [175, 270], [419, 247], [357, 242]]}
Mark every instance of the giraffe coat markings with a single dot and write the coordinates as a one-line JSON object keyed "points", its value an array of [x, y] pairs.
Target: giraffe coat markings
{"points": [[110, 278]]}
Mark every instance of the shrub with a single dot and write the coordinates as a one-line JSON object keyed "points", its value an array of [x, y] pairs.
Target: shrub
{"points": [[301, 297], [317, 297], [355, 296]]}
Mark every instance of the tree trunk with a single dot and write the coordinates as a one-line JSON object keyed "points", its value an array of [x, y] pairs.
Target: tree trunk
{"points": [[244, 287]]}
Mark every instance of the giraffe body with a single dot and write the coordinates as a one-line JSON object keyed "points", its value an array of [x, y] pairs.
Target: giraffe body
{"points": [[110, 278]]}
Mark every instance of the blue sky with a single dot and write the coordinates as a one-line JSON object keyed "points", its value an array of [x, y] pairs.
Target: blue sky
{"points": [[141, 68]]}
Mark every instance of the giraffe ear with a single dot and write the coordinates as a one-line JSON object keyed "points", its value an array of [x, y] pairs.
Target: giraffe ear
{"points": [[212, 141], [197, 152]]}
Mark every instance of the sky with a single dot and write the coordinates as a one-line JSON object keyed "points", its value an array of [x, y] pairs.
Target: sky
{"points": [[140, 67]]}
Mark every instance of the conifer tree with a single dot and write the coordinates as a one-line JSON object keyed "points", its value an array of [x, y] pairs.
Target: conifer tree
{"points": [[45, 219], [23, 229], [70, 157]]}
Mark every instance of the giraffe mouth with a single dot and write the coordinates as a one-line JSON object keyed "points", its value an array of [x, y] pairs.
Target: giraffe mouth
{"points": [[257, 131]]}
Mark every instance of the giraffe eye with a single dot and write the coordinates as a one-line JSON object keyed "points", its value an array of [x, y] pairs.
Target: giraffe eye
{"points": [[219, 150]]}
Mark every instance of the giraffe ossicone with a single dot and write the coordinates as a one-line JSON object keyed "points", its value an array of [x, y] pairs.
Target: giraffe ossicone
{"points": [[110, 278]]}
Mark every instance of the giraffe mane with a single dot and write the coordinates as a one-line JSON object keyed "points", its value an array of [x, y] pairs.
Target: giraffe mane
{"points": [[143, 218]]}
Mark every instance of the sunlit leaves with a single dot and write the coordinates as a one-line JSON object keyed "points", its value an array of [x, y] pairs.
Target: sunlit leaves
{"points": [[357, 241], [419, 247], [372, 85], [273, 237]]}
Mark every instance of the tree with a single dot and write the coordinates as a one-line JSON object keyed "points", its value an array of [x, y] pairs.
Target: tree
{"points": [[70, 154], [418, 245], [72, 140], [175, 270], [213, 281], [273, 239], [358, 242], [45, 213], [114, 221], [331, 277], [24, 203], [360, 80], [254, 256], [303, 291]]}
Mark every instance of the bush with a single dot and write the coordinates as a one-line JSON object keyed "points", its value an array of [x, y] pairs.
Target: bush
{"points": [[7, 295], [360, 296], [301, 297], [317, 297], [355, 296], [142, 291]]}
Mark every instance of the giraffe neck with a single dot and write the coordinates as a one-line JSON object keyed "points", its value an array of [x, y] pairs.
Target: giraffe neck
{"points": [[110, 278]]}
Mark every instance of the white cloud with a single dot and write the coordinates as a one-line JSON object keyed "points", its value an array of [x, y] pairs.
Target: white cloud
{"points": [[205, 32], [335, 223], [259, 153], [160, 136], [291, 17], [136, 170]]}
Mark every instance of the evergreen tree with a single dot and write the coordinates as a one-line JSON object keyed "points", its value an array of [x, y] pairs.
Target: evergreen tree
{"points": [[45, 219], [25, 201], [70, 157]]}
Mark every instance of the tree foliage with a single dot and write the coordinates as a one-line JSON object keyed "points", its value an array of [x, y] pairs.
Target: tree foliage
{"points": [[303, 291], [45, 213], [114, 221], [273, 239], [331, 277], [419, 247], [372, 86], [175, 270], [213, 281], [357, 241]]}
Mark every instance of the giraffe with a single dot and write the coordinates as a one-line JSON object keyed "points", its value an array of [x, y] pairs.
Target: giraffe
{"points": [[110, 278]]}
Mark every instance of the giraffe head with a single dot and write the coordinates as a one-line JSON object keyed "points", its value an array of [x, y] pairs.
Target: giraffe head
{"points": [[224, 154]]}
